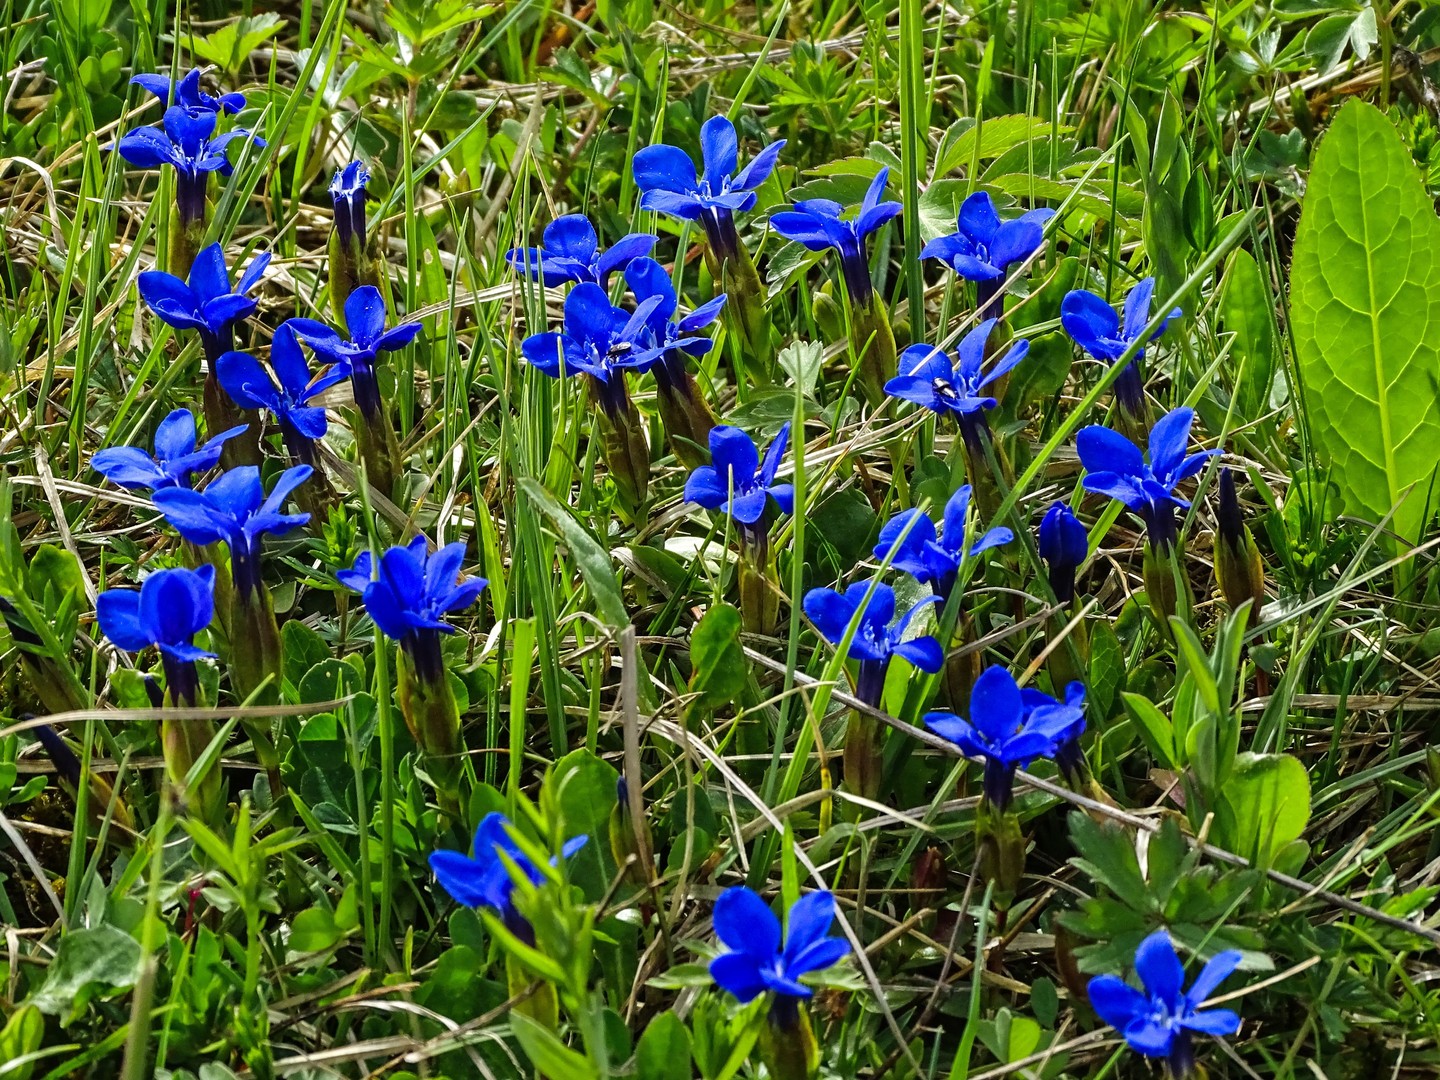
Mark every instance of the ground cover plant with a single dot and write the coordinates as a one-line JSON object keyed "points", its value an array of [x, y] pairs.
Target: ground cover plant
{"points": [[779, 540]]}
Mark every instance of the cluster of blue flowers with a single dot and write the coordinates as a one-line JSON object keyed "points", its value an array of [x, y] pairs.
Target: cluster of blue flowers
{"points": [[409, 590]]}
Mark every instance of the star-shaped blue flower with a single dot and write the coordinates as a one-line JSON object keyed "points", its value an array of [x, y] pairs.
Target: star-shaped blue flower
{"points": [[821, 224], [669, 184], [599, 340], [176, 457], [286, 395], [929, 378], [187, 94], [412, 593], [234, 510], [878, 634], [485, 881], [983, 248], [1009, 729], [737, 482], [1114, 467], [756, 962], [1096, 328], [206, 302], [1160, 1021], [187, 142], [571, 252], [356, 355], [667, 340], [909, 540], [1064, 544], [167, 611]]}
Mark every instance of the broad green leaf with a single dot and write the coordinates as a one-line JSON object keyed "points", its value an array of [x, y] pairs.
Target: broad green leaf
{"points": [[233, 42], [26, 1031], [1156, 732], [989, 139], [593, 560], [99, 960], [548, 1054], [1365, 303], [664, 1050], [1245, 311], [313, 930], [584, 785], [1266, 805], [302, 648], [717, 660]]}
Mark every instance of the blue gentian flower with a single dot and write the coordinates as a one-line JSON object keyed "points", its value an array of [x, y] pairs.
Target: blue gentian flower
{"points": [[1063, 545], [1115, 468], [668, 340], [983, 248], [176, 457], [910, 542], [205, 303], [187, 94], [1095, 327], [187, 142], [737, 482], [234, 510], [1160, 1021], [878, 634], [599, 340], [1009, 729], [412, 593], [167, 611], [757, 963], [929, 378], [356, 355], [251, 387], [347, 193], [818, 224], [1069, 724], [486, 880], [571, 252], [669, 185]]}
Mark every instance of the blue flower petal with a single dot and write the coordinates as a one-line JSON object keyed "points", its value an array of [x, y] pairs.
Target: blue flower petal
{"points": [[1103, 450], [995, 704], [664, 168], [719, 147], [738, 973], [1159, 968], [745, 923]]}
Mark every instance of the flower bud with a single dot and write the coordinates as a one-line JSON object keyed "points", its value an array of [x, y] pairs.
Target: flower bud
{"points": [[622, 441], [787, 1041], [863, 756], [1167, 590], [255, 654], [102, 797], [1239, 570], [1002, 846], [746, 314], [431, 714], [625, 836], [1063, 545], [353, 252], [686, 414], [872, 342], [759, 591], [829, 316]]}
